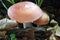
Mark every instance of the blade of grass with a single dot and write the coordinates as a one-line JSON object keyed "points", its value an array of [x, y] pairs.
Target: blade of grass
{"points": [[11, 1], [36, 1], [39, 2], [4, 5]]}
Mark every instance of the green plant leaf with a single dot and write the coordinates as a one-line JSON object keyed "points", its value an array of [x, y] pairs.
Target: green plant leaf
{"points": [[11, 1], [39, 2], [3, 4], [13, 36]]}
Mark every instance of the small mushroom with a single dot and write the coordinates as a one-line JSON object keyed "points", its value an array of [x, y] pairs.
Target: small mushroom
{"points": [[42, 20]]}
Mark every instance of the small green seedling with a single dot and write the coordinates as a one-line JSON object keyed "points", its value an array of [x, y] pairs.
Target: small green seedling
{"points": [[13, 36]]}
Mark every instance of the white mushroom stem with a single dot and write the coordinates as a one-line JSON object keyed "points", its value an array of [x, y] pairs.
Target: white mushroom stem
{"points": [[38, 25], [24, 25]]}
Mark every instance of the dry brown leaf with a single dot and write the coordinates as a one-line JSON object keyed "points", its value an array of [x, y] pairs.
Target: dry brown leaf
{"points": [[6, 23]]}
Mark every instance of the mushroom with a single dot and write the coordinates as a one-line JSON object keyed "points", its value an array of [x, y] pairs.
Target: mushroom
{"points": [[24, 12], [43, 20]]}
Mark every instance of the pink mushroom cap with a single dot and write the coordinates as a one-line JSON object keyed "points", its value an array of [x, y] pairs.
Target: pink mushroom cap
{"points": [[24, 12]]}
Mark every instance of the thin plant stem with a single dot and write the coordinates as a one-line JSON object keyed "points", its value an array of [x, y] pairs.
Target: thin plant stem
{"points": [[4, 5]]}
